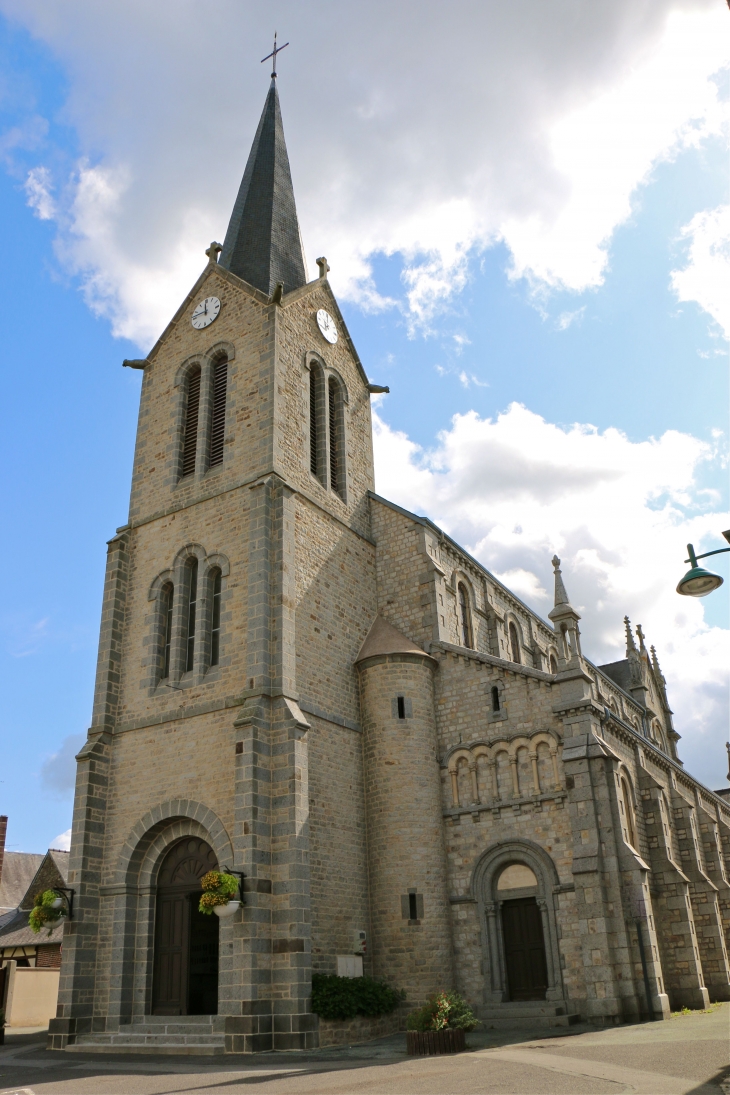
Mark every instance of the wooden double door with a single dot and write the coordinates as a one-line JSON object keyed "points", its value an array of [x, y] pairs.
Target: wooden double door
{"points": [[185, 980], [524, 949]]}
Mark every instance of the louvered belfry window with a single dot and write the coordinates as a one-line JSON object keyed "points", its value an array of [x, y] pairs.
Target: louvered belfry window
{"points": [[191, 422], [218, 418], [313, 425], [333, 438]]}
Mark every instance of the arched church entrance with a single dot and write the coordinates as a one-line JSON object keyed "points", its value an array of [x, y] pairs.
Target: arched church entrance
{"points": [[522, 934], [185, 980]]}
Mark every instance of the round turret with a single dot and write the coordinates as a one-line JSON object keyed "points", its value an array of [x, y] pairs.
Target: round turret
{"points": [[410, 912]]}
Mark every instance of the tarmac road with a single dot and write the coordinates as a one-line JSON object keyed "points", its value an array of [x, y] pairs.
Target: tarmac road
{"points": [[686, 1055]]}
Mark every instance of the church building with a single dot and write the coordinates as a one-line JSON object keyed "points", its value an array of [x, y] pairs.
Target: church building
{"points": [[309, 686]]}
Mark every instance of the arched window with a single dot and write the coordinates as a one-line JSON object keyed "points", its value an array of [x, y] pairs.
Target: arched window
{"points": [[218, 413], [514, 643], [335, 438], [316, 422], [553, 664], [465, 617], [192, 592], [216, 582], [495, 698], [628, 813], [166, 601], [664, 813], [192, 410]]}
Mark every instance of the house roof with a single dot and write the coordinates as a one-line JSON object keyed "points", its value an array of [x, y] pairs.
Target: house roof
{"points": [[48, 871], [383, 638], [263, 245], [19, 870]]}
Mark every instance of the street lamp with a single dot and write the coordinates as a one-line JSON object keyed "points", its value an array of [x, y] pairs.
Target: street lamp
{"points": [[698, 582]]}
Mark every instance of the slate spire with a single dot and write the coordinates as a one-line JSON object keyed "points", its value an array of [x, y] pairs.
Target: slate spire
{"points": [[263, 245]]}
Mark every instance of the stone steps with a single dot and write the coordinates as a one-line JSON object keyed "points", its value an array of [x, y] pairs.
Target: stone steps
{"points": [[524, 1014], [184, 1034]]}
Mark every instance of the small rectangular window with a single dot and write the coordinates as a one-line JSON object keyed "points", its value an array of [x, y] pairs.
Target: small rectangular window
{"points": [[412, 906], [402, 707]]}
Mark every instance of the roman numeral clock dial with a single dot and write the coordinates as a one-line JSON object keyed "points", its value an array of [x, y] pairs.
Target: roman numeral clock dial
{"points": [[327, 326], [205, 313]]}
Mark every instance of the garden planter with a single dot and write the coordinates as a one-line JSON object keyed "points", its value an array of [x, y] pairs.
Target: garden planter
{"points": [[224, 911], [428, 1043]]}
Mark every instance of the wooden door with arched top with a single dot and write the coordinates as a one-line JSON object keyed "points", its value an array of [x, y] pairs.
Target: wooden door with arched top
{"points": [[185, 980]]}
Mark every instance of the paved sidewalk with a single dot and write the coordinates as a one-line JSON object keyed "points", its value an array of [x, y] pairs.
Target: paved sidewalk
{"points": [[686, 1055]]}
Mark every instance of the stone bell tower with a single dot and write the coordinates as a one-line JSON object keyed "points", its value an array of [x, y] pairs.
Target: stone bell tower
{"points": [[237, 596]]}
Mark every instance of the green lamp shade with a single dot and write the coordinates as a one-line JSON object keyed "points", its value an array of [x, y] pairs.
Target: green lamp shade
{"points": [[698, 582]]}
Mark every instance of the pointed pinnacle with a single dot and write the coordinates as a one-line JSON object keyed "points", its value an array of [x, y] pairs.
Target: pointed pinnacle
{"points": [[561, 596], [630, 644]]}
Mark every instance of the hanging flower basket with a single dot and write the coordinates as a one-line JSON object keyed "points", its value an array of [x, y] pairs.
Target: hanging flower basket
{"points": [[48, 909], [219, 889], [224, 911]]}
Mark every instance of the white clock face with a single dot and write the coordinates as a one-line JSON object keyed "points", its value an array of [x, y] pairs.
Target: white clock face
{"points": [[326, 325], [206, 312]]}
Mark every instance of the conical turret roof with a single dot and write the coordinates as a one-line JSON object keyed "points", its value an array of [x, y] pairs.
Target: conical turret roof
{"points": [[263, 244]]}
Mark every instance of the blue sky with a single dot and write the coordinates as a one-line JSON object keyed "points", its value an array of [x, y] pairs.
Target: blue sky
{"points": [[103, 228]]}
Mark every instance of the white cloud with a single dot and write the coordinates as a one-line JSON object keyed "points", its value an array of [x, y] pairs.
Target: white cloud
{"points": [[706, 277], [38, 189], [62, 842], [536, 128], [603, 150], [566, 319], [515, 489]]}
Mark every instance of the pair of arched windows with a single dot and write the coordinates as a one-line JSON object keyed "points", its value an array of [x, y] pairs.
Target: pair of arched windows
{"points": [[327, 430], [214, 420], [196, 635]]}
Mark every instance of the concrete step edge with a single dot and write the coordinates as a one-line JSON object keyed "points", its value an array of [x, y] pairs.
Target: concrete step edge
{"points": [[184, 1050]]}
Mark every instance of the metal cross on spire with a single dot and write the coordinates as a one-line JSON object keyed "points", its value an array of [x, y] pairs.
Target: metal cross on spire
{"points": [[275, 50]]}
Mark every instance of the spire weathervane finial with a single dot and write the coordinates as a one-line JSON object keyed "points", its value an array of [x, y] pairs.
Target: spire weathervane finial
{"points": [[275, 50]]}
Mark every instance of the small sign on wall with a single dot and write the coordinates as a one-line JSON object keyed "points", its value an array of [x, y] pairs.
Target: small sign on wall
{"points": [[349, 965]]}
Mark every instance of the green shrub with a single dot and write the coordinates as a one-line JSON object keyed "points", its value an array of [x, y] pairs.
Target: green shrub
{"points": [[345, 997], [443, 1010]]}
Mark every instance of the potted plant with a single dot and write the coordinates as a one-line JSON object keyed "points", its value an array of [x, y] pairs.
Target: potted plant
{"points": [[48, 908], [218, 894], [439, 1026]]}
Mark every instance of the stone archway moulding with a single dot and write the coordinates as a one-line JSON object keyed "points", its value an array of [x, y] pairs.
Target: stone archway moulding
{"points": [[132, 896], [152, 834], [484, 891]]}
